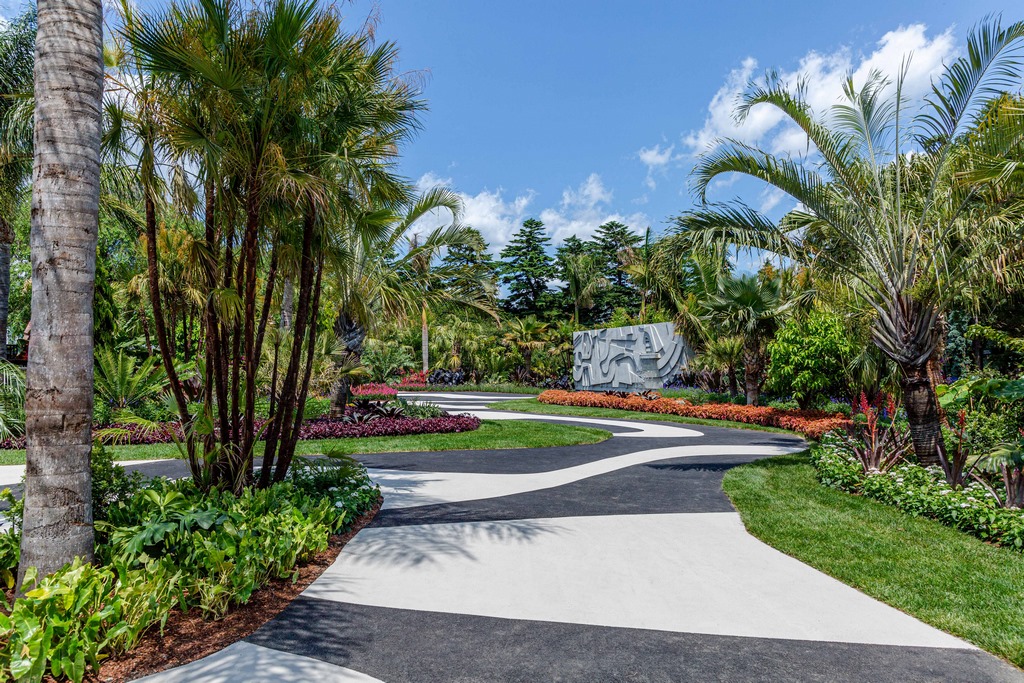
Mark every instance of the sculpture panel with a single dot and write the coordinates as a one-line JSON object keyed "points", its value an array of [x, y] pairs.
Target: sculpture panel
{"points": [[628, 358]]}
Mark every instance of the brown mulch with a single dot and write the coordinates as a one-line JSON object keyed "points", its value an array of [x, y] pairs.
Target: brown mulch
{"points": [[188, 637]]}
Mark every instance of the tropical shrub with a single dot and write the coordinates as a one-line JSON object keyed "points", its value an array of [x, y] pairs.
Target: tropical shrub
{"points": [[922, 492], [421, 409], [811, 423], [386, 361], [122, 382], [170, 545], [809, 357], [412, 380], [12, 400]]}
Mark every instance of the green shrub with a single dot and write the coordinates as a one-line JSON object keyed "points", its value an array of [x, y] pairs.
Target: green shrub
{"points": [[110, 482], [922, 492], [809, 358], [170, 545], [421, 409]]}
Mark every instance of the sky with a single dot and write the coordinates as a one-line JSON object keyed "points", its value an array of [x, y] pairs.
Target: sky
{"points": [[578, 112]]}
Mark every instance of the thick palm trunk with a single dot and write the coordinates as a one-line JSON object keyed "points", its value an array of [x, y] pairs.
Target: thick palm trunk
{"points": [[350, 335], [287, 304], [733, 383], [922, 408], [65, 221]]}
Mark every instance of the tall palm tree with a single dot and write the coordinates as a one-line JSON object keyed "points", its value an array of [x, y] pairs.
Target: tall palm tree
{"points": [[65, 223], [752, 309], [17, 44], [584, 280], [881, 203], [527, 335]]}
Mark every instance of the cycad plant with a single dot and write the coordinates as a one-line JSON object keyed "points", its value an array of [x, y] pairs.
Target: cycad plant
{"points": [[122, 382], [883, 202]]}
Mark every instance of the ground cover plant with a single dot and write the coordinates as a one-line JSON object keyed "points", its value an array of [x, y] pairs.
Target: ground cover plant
{"points": [[168, 545], [946, 578], [811, 423]]}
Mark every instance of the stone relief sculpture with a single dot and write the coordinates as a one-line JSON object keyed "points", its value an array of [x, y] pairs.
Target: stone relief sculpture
{"points": [[628, 358]]}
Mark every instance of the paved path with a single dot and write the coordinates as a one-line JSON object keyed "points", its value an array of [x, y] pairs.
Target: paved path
{"points": [[619, 561]]}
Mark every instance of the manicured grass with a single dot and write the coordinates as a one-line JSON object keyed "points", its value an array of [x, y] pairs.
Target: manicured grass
{"points": [[492, 434], [532, 405], [944, 577], [484, 389]]}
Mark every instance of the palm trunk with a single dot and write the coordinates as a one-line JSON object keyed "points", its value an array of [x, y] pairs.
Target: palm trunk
{"points": [[5, 283], [425, 340], [752, 374], [287, 304], [733, 383], [922, 408], [57, 524]]}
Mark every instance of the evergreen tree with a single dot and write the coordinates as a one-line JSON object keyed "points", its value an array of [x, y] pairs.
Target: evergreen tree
{"points": [[610, 240], [474, 255], [526, 268]]}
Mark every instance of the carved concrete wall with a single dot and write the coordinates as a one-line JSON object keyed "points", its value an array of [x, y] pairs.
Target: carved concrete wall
{"points": [[628, 358]]}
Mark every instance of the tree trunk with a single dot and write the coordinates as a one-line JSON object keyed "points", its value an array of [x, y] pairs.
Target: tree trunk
{"points": [[922, 408], [733, 382], [350, 335], [65, 223], [5, 283], [287, 304], [752, 375], [425, 340]]}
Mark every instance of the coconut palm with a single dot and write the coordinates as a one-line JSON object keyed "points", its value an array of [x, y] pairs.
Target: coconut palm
{"points": [[751, 308], [880, 202], [57, 524]]}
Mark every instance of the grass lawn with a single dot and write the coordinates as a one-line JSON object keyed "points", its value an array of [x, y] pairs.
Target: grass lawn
{"points": [[532, 405], [492, 434], [944, 577]]}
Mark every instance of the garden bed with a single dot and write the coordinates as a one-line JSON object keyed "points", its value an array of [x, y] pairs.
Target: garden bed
{"points": [[188, 637], [321, 428], [811, 423]]}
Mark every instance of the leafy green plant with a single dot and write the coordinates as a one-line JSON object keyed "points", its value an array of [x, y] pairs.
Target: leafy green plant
{"points": [[122, 382], [110, 482], [12, 401], [386, 361], [809, 359]]}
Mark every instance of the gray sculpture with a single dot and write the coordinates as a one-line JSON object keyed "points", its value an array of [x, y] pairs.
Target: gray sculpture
{"points": [[628, 358]]}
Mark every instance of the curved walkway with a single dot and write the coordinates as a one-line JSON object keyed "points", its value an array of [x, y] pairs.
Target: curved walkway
{"points": [[618, 561]]}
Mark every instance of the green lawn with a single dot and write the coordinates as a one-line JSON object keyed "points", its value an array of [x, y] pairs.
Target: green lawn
{"points": [[532, 405], [492, 434], [944, 577]]}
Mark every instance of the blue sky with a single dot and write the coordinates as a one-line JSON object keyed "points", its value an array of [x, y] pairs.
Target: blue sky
{"points": [[579, 112], [551, 109]]}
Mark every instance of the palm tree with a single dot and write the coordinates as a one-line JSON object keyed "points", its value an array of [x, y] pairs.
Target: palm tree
{"points": [[527, 335], [752, 309], [65, 222], [584, 280], [17, 43], [882, 204], [724, 353]]}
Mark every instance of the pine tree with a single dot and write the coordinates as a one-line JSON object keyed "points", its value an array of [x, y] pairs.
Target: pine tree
{"points": [[474, 255], [610, 240], [526, 268]]}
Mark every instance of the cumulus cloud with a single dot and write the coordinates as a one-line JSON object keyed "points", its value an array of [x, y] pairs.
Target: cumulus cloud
{"points": [[656, 160], [824, 75], [581, 210]]}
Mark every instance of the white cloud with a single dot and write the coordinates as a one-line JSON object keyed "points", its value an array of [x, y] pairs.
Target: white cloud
{"points": [[655, 159], [581, 210], [824, 74]]}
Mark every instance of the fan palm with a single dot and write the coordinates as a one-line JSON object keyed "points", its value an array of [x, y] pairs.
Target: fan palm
{"points": [[883, 208], [527, 335], [753, 309]]}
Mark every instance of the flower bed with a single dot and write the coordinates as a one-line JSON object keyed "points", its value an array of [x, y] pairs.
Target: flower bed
{"points": [[375, 391], [323, 428], [811, 423], [922, 492]]}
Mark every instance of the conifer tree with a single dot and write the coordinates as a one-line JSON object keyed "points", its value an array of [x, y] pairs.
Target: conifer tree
{"points": [[526, 268]]}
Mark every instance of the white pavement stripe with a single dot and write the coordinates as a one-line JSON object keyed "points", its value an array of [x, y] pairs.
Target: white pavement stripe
{"points": [[11, 475], [692, 573], [640, 429], [248, 663], [404, 489]]}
